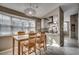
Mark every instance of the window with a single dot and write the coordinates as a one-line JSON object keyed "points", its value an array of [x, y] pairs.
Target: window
{"points": [[25, 26], [25, 23], [11, 25], [16, 22], [32, 23], [16, 25], [6, 20], [32, 26], [5, 30], [5, 27]]}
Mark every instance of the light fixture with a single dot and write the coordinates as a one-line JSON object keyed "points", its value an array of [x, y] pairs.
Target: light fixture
{"points": [[30, 11]]}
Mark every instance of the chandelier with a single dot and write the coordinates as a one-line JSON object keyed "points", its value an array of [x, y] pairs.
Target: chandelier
{"points": [[30, 11]]}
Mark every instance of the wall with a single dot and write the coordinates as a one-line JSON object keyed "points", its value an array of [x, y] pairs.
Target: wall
{"points": [[74, 20], [44, 24], [58, 13], [67, 19], [38, 25], [61, 23], [5, 42], [78, 27], [66, 33], [53, 13]]}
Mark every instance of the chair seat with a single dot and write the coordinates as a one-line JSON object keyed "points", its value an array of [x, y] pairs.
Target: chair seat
{"points": [[29, 48], [29, 45], [25, 43], [40, 41]]}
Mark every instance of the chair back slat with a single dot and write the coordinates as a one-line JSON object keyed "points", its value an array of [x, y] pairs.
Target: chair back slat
{"points": [[32, 38], [21, 33]]}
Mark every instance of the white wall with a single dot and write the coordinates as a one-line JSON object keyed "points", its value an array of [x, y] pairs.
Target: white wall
{"points": [[44, 23], [78, 28], [5, 43], [54, 13]]}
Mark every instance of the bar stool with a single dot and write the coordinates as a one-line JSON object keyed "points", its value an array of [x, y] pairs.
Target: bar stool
{"points": [[20, 33], [30, 47], [41, 41]]}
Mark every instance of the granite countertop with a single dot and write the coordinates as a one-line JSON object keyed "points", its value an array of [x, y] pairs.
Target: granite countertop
{"points": [[56, 34]]}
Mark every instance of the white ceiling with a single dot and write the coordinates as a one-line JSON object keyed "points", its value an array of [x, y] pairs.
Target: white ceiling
{"points": [[43, 8]]}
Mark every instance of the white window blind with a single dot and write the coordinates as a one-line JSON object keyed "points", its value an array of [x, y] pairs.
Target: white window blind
{"points": [[10, 25]]}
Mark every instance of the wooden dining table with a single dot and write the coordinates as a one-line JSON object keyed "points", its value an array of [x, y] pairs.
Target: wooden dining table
{"points": [[19, 39]]}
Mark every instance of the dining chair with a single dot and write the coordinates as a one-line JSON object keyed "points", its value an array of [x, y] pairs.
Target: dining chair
{"points": [[20, 33], [41, 41], [30, 47]]}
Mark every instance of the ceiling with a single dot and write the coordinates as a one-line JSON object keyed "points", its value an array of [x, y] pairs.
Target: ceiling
{"points": [[69, 9], [43, 8]]}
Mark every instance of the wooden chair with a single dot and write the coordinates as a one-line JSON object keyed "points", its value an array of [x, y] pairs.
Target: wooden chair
{"points": [[20, 33], [30, 47], [41, 41]]}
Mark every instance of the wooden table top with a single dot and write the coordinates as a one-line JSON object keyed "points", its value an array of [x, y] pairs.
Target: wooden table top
{"points": [[23, 37]]}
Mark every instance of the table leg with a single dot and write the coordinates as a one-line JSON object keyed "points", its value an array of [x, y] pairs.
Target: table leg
{"points": [[18, 47], [45, 43], [13, 46]]}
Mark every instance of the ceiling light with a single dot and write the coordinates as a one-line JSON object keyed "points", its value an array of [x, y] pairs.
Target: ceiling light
{"points": [[30, 11]]}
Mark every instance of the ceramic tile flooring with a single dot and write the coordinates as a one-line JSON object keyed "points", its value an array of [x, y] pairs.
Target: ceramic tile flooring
{"points": [[70, 48]]}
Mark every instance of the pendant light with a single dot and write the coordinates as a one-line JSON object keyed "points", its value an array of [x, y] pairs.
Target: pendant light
{"points": [[30, 11]]}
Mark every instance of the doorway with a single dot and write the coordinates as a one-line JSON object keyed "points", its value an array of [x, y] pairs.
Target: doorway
{"points": [[71, 32]]}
